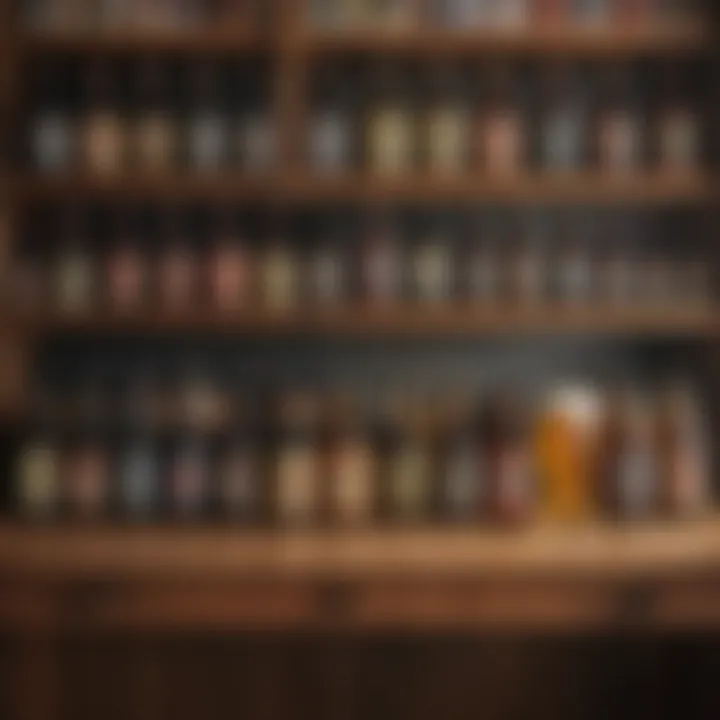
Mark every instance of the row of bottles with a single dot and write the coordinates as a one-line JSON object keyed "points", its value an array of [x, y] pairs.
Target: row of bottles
{"points": [[496, 14], [502, 119], [307, 459], [143, 15], [202, 116], [388, 119], [164, 261]]}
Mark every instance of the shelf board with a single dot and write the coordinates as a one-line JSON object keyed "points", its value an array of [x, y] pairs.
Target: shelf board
{"points": [[687, 37], [226, 40], [164, 552], [457, 319], [583, 187]]}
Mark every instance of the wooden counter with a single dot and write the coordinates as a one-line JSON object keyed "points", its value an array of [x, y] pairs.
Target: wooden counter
{"points": [[545, 579]]}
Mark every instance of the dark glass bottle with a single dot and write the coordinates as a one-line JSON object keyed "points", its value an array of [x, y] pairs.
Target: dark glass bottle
{"points": [[505, 445], [230, 265], [327, 267], [383, 263], [410, 466], [678, 126], [563, 120], [500, 132], [464, 472], [297, 466], [207, 130], [331, 129], [683, 449], [239, 467], [104, 134], [177, 267], [448, 122], [256, 132], [619, 125], [87, 476], [37, 480], [75, 270], [155, 137], [127, 269], [390, 146], [352, 482], [629, 469], [432, 265], [53, 135]]}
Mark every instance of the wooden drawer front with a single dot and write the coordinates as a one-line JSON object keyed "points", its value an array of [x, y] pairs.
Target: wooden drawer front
{"points": [[693, 605], [179, 606], [489, 605]]}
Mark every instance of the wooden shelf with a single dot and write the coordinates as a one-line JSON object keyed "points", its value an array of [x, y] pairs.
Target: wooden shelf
{"points": [[549, 40], [453, 320], [588, 188], [680, 37], [547, 579], [225, 40], [163, 552]]}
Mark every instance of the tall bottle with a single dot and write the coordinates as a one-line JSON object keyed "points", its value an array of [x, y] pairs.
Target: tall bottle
{"points": [[506, 445], [683, 448], [255, 130], [328, 280], [500, 132], [432, 265], [127, 270], [37, 482], [383, 263], [629, 479], [207, 131], [352, 465], [155, 137], [563, 121], [391, 133], [104, 135], [447, 122], [280, 274], [464, 475], [177, 270], [619, 124], [678, 126], [332, 127], [410, 464], [75, 269], [230, 265], [298, 479], [239, 467], [53, 134]]}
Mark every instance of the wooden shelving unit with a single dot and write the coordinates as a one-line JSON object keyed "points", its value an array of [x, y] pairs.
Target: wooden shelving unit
{"points": [[561, 579]]}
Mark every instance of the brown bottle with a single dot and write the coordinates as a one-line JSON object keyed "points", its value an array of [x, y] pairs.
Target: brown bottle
{"points": [[126, 269], [177, 266], [506, 448], [155, 133], [410, 469], [383, 263], [75, 270], [447, 122], [628, 463], [87, 478], [678, 127], [683, 451], [104, 133], [500, 133], [298, 479], [230, 266], [352, 466], [390, 146], [619, 148]]}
